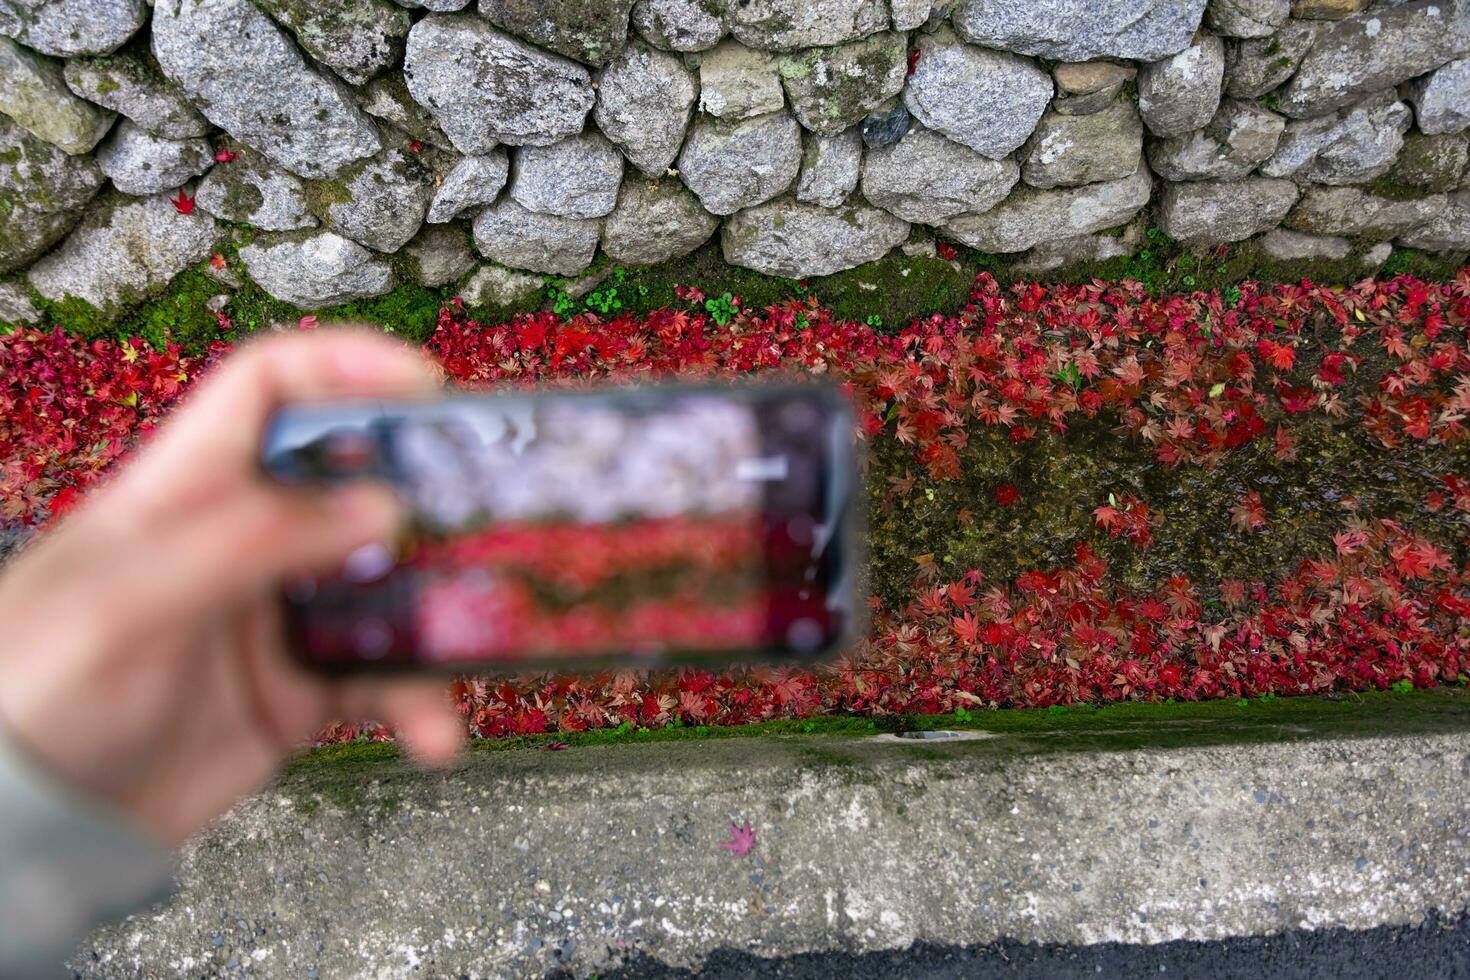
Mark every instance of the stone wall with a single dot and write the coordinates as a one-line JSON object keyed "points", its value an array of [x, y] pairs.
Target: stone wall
{"points": [[484, 146]]}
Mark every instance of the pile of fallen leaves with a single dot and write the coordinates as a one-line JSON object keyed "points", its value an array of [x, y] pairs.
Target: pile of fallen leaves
{"points": [[1195, 377]]}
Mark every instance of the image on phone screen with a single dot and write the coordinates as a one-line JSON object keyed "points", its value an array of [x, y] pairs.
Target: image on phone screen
{"points": [[563, 528]]}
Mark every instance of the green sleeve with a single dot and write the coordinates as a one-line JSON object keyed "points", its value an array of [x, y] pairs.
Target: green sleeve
{"points": [[68, 863]]}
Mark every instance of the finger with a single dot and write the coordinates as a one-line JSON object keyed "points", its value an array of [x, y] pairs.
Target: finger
{"points": [[264, 534], [422, 713], [246, 544]]}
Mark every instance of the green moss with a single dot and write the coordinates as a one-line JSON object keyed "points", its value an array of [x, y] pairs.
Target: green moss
{"points": [[837, 82], [896, 289], [1164, 265], [1426, 164], [891, 292], [793, 68], [322, 194], [73, 315], [242, 198], [1424, 265], [1063, 478], [410, 311], [369, 772], [179, 314], [1391, 187]]}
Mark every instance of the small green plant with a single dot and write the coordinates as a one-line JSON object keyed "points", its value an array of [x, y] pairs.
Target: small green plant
{"points": [[624, 728], [1402, 687], [875, 320], [605, 300], [960, 714], [722, 309], [1069, 375], [1231, 295], [561, 303]]}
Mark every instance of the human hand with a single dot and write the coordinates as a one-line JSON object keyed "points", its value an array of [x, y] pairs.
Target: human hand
{"points": [[141, 653]]}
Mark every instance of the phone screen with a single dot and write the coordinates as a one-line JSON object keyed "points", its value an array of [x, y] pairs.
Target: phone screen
{"points": [[642, 526]]}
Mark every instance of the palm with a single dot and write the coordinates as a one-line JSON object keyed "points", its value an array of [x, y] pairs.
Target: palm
{"points": [[171, 695]]}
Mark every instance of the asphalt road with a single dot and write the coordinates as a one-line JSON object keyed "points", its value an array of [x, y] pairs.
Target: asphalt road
{"points": [[1438, 949]]}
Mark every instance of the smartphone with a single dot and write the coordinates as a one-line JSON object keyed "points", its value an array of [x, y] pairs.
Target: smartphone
{"points": [[642, 526]]}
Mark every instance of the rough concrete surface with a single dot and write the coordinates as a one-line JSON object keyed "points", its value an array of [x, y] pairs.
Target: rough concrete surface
{"points": [[524, 862]]}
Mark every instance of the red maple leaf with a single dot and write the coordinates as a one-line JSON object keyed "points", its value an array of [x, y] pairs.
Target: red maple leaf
{"points": [[1249, 513], [1006, 495], [1280, 356], [65, 499], [1417, 559], [742, 840], [224, 155], [1129, 371], [966, 628], [217, 261], [415, 146], [1331, 369], [1349, 541], [184, 204], [946, 251]]}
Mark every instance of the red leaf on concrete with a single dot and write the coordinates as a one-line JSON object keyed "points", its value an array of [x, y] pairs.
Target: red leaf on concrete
{"points": [[742, 840]]}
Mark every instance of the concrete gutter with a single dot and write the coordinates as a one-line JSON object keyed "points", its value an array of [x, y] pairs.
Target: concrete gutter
{"points": [[523, 862]]}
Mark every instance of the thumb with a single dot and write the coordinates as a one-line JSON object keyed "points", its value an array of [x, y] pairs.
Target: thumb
{"points": [[269, 532], [249, 542]]}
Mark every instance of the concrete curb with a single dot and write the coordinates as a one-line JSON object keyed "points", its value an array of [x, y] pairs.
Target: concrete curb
{"points": [[524, 862]]}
